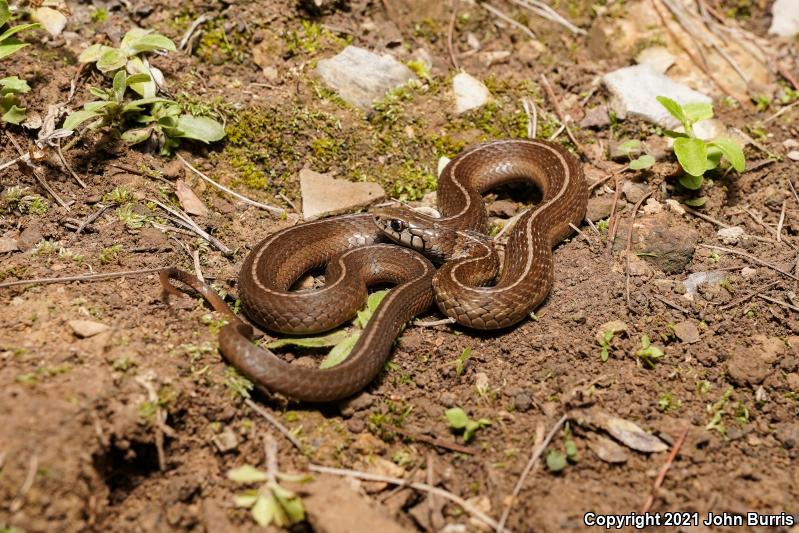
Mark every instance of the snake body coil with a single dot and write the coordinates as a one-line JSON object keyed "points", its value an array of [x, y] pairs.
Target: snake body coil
{"points": [[468, 287]]}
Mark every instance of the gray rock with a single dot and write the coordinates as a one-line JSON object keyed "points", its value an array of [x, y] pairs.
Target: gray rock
{"points": [[596, 117], [600, 207], [785, 18], [634, 90], [226, 441], [87, 328], [361, 77], [730, 236], [686, 331], [633, 191], [664, 240], [323, 195], [788, 435]]}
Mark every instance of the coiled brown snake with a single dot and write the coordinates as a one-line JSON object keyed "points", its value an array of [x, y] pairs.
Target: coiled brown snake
{"points": [[349, 246]]}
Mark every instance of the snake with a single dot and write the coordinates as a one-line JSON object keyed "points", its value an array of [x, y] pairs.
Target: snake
{"points": [[472, 285]]}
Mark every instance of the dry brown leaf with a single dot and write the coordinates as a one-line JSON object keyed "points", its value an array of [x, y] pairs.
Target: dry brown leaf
{"points": [[189, 201]]}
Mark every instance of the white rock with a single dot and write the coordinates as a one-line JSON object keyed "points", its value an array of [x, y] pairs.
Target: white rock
{"points": [[657, 57], [470, 93], [652, 207], [361, 77], [324, 195], [793, 155], [710, 129], [790, 143], [785, 18], [675, 206], [730, 236], [634, 91], [473, 41], [87, 328]]}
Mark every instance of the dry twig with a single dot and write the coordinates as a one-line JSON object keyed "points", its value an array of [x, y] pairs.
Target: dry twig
{"points": [[86, 277], [563, 118], [751, 258], [272, 420], [663, 470], [499, 14]]}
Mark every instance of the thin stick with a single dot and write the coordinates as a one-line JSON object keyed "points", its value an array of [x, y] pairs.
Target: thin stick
{"points": [[37, 173], [671, 304], [544, 11], [627, 249], [608, 177], [580, 233], [499, 14], [27, 484], [778, 302], [276, 210], [743, 299], [272, 420], [663, 470], [66, 165], [537, 452], [614, 217], [194, 25], [90, 219], [705, 217], [563, 118], [86, 277], [450, 30], [21, 159], [796, 196], [781, 111], [532, 117], [440, 443], [183, 219], [431, 323], [288, 201], [469, 508], [751, 258], [781, 222]]}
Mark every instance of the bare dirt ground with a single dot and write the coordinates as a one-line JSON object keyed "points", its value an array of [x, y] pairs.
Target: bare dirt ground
{"points": [[80, 416]]}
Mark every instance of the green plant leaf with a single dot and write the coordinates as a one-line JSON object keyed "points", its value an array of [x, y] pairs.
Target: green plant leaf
{"points": [[132, 36], [556, 461], [629, 146], [674, 134], [153, 42], [732, 152], [246, 498], [76, 118], [340, 351], [146, 88], [264, 510], [204, 129], [246, 474], [693, 183], [10, 46], [645, 161], [16, 29], [137, 135], [140, 77], [138, 105], [692, 155], [14, 115], [674, 110], [120, 85], [5, 12], [13, 84], [331, 339], [696, 202], [111, 59], [696, 111], [93, 53], [457, 417]]}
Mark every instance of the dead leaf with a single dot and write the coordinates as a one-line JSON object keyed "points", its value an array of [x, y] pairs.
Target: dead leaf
{"points": [[607, 450], [629, 433], [615, 326], [189, 201], [8, 244]]}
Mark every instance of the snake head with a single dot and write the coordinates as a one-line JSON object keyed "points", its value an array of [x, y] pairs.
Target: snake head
{"points": [[415, 230]]}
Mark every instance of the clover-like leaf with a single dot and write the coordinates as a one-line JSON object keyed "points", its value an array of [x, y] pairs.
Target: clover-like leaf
{"points": [[645, 161], [456, 417], [556, 461]]}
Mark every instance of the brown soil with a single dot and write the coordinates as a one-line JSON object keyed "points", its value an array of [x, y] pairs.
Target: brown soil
{"points": [[78, 448]]}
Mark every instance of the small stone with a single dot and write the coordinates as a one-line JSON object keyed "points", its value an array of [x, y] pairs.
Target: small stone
{"points": [[359, 403], [663, 240], [785, 18], [173, 170], [675, 207], [226, 441], [686, 331], [189, 201], [87, 328], [356, 425], [367, 444], [790, 143], [744, 369], [523, 402], [599, 208], [596, 117], [29, 237], [633, 191], [652, 207], [362, 77], [788, 435], [323, 195], [793, 155], [8, 243], [495, 57], [635, 91], [447, 399], [748, 272], [381, 467], [470, 93], [730, 236], [502, 208], [615, 326], [657, 57]]}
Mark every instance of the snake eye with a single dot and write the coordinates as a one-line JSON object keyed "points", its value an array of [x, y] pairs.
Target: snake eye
{"points": [[397, 225]]}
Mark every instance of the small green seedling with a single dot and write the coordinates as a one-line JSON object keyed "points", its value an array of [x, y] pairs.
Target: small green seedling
{"points": [[11, 87], [605, 344], [649, 354], [631, 148], [137, 41], [460, 363], [459, 420], [697, 156], [667, 403], [270, 503]]}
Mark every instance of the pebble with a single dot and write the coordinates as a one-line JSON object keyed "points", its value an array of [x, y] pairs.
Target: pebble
{"points": [[470, 93], [522, 402], [29, 237], [686, 331], [675, 207], [173, 170], [226, 441], [633, 191], [785, 18], [8, 243], [361, 77], [652, 207], [616, 326], [502, 208], [323, 195], [599, 208], [634, 91], [793, 155], [730, 236], [597, 117], [359, 403], [87, 328], [666, 241], [657, 57], [607, 450], [788, 435]]}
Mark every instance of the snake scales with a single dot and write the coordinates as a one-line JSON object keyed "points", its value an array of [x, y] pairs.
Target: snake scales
{"points": [[469, 286]]}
